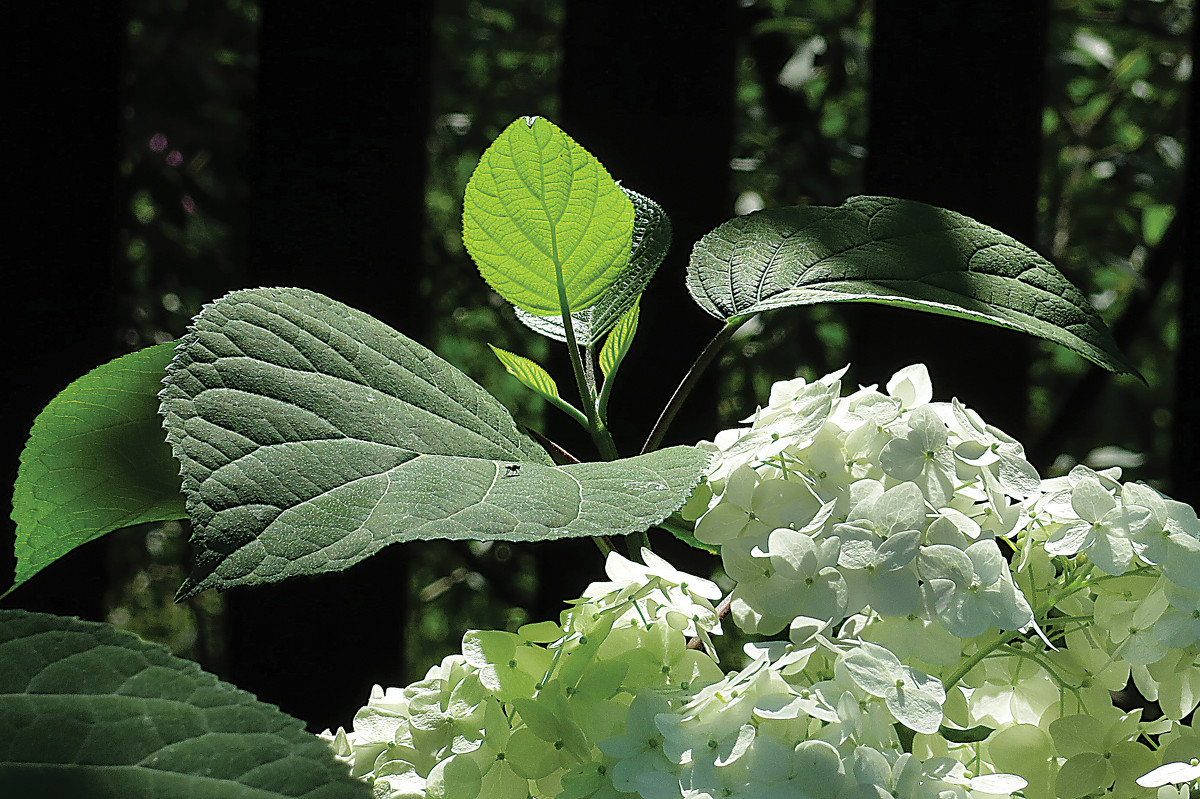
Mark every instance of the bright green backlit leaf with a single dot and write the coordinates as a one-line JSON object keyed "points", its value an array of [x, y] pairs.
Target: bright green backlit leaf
{"points": [[619, 340], [894, 252], [528, 372], [90, 711], [540, 208], [96, 461], [312, 435], [651, 239]]}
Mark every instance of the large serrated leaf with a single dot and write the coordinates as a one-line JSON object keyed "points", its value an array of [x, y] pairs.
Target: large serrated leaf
{"points": [[312, 435], [95, 462], [651, 239], [896, 252], [540, 208], [89, 711]]}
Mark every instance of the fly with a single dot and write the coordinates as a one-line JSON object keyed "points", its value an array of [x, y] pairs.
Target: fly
{"points": [[512, 470]]}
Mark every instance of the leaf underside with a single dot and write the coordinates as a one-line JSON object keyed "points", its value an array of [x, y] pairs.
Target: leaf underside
{"points": [[651, 239], [538, 202], [896, 252], [312, 435], [87, 710], [95, 462]]}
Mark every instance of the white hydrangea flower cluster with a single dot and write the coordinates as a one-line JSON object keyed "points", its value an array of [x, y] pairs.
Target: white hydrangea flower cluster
{"points": [[829, 505], [953, 626], [521, 714]]}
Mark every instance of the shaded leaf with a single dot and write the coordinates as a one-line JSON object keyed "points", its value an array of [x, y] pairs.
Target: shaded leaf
{"points": [[87, 710], [312, 435], [651, 239], [96, 461], [538, 209], [895, 252]]}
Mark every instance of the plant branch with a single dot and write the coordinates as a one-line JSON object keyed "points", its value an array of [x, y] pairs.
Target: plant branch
{"points": [[690, 379]]}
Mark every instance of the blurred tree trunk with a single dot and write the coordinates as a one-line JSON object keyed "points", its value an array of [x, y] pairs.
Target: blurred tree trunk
{"points": [[338, 205], [63, 72], [1185, 463], [648, 89], [955, 121]]}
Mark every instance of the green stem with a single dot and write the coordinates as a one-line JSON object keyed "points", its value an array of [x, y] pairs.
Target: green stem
{"points": [[605, 392], [1077, 582], [568, 409], [984, 650], [689, 381]]}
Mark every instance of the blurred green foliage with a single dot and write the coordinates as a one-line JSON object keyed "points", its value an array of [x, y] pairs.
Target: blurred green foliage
{"points": [[190, 72], [1113, 129]]}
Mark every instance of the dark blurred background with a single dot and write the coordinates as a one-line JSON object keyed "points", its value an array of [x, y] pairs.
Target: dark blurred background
{"points": [[169, 151]]}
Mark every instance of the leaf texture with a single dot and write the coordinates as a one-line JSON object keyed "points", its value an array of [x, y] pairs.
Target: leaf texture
{"points": [[895, 252], [311, 435], [651, 239], [539, 204], [87, 710], [618, 344], [95, 462]]}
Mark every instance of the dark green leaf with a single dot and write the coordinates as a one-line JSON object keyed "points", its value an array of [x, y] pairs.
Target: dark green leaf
{"points": [[312, 435], [90, 711], [96, 461], [651, 239], [968, 736], [895, 252]]}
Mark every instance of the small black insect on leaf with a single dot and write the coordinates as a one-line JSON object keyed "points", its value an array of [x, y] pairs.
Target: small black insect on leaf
{"points": [[512, 470]]}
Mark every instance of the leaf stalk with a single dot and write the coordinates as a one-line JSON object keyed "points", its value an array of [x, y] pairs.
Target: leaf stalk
{"points": [[702, 362]]}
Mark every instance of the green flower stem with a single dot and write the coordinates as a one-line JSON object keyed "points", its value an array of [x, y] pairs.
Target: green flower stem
{"points": [[690, 379], [1078, 581], [999, 640], [1048, 667]]}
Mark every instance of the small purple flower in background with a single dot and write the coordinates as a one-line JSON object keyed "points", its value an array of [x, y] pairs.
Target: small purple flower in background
{"points": [[174, 158], [158, 142], [188, 203]]}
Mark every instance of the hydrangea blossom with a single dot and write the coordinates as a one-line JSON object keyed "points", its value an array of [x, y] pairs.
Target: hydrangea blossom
{"points": [[930, 619]]}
